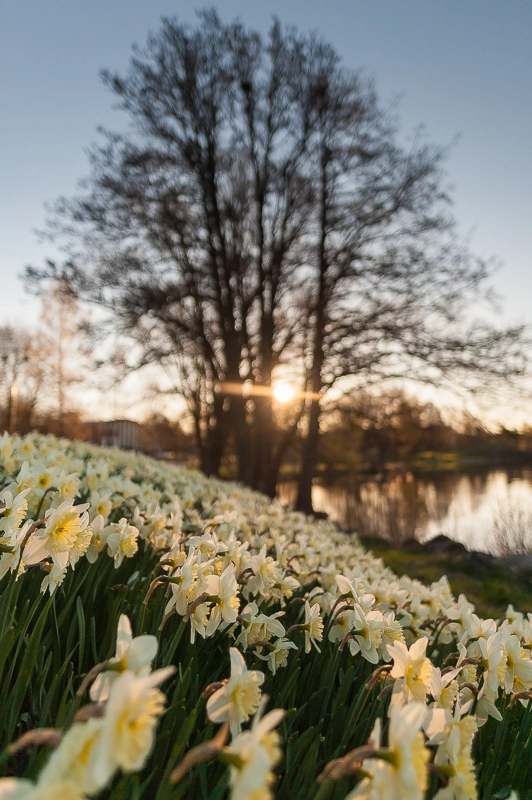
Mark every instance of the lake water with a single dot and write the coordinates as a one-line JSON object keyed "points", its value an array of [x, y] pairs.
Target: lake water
{"points": [[486, 510]]}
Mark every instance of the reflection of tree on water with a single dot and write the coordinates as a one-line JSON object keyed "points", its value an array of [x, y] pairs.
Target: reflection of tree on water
{"points": [[395, 509], [490, 510]]}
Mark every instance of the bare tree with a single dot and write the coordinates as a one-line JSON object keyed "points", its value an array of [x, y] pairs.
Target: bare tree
{"points": [[22, 375], [261, 212], [60, 347], [193, 223]]}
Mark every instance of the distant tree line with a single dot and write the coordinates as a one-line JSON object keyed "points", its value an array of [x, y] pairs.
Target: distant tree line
{"points": [[372, 432], [36, 376], [39, 366]]}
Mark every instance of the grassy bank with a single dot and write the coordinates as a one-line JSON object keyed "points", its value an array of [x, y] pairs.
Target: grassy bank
{"points": [[490, 588]]}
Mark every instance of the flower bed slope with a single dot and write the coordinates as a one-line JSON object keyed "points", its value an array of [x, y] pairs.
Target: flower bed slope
{"points": [[165, 635]]}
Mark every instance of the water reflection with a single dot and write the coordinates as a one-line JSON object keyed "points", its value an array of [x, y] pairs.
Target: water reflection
{"points": [[490, 510]]}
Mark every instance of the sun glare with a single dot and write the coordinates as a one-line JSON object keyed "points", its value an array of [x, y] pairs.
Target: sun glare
{"points": [[283, 392]]}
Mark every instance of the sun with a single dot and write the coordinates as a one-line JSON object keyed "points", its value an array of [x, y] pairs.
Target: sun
{"points": [[283, 392]]}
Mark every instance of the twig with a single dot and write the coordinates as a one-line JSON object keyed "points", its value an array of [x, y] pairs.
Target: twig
{"points": [[49, 736], [92, 675], [376, 674], [194, 605], [91, 711], [33, 527], [203, 752]]}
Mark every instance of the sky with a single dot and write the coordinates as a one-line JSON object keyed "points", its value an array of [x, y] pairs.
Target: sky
{"points": [[462, 70]]}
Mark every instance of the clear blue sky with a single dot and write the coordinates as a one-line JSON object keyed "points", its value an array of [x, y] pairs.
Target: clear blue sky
{"points": [[459, 67]]}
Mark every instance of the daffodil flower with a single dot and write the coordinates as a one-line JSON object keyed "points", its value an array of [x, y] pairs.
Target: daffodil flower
{"points": [[492, 654], [20, 789], [71, 761], [398, 772], [258, 627], [63, 527], [252, 756], [128, 730], [225, 590], [518, 667], [276, 654], [265, 574], [412, 670], [14, 511], [367, 634], [239, 699], [122, 541], [132, 653], [183, 586], [454, 759], [313, 627]]}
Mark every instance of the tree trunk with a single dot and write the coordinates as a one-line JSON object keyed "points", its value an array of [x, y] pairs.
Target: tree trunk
{"points": [[241, 431], [211, 458], [211, 439], [264, 440], [310, 446], [311, 441], [277, 459], [264, 426], [309, 458]]}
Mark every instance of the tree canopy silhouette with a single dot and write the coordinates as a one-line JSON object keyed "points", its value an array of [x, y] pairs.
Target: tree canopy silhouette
{"points": [[260, 214]]}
